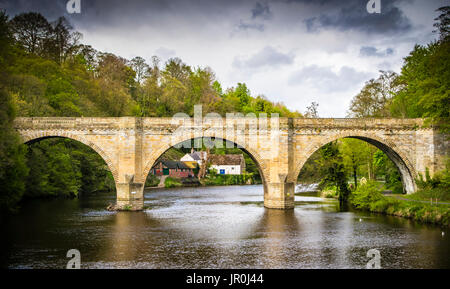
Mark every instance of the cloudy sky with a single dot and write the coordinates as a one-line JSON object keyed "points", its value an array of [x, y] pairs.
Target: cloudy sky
{"points": [[294, 51]]}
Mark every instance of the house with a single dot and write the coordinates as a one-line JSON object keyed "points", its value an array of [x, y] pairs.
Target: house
{"points": [[233, 164], [194, 156], [174, 169]]}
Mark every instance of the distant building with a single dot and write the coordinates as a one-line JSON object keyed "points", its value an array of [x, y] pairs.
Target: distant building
{"points": [[194, 156], [176, 169], [227, 164]]}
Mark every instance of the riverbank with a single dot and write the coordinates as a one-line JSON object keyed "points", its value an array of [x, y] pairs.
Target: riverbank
{"points": [[368, 197], [209, 180]]}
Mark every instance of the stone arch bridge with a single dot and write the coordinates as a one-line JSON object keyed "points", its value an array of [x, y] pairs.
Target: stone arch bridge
{"points": [[131, 145]]}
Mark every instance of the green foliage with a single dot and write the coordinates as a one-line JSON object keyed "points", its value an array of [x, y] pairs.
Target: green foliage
{"points": [[375, 96], [152, 181], [329, 191], [384, 166], [332, 167], [213, 179], [426, 194], [436, 187], [426, 79], [13, 168], [65, 168], [170, 182], [366, 195]]}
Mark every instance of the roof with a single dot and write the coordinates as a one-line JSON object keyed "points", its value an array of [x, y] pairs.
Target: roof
{"points": [[198, 155], [173, 164], [195, 156], [191, 165], [232, 159]]}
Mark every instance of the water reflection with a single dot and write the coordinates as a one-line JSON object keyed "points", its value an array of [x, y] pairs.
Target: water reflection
{"points": [[215, 227], [277, 227]]}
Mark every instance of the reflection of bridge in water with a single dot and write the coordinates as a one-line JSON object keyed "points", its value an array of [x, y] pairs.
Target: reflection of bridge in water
{"points": [[130, 146]]}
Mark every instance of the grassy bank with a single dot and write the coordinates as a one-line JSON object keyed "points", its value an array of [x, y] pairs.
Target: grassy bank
{"points": [[368, 197], [227, 180], [170, 182]]}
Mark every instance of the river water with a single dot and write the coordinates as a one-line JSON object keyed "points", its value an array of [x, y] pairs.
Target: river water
{"points": [[215, 227]]}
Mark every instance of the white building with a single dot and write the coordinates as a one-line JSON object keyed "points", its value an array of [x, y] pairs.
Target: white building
{"points": [[227, 164], [194, 157]]}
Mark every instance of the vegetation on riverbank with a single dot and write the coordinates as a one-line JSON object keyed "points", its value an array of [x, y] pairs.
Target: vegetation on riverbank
{"points": [[416, 206], [214, 179], [171, 182], [152, 181]]}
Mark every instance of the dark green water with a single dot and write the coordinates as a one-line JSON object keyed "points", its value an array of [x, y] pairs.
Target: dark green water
{"points": [[215, 227]]}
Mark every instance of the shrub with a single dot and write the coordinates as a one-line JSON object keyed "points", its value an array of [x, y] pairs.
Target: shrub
{"points": [[172, 182], [365, 195]]}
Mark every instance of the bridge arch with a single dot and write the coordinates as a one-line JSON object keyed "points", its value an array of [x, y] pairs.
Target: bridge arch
{"points": [[395, 154], [35, 137], [254, 155]]}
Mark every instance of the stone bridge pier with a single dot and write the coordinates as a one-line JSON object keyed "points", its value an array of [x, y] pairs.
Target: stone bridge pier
{"points": [[130, 146]]}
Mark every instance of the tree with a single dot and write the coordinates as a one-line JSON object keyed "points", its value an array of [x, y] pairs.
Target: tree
{"points": [[384, 166], [140, 67], [332, 167], [353, 154], [31, 30], [443, 23], [243, 94], [13, 169], [426, 74], [116, 81], [312, 110], [426, 79], [63, 42], [374, 98]]}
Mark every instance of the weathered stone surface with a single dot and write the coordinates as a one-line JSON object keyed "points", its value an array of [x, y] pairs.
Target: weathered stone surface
{"points": [[130, 146]]}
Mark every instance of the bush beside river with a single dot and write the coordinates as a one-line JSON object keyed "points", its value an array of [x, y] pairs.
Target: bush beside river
{"points": [[369, 197], [214, 179]]}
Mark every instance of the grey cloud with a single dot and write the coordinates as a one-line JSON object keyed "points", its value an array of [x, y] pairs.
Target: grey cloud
{"points": [[373, 51], [261, 11], [352, 15], [268, 56], [51, 9], [326, 80], [343, 15], [97, 13], [250, 26]]}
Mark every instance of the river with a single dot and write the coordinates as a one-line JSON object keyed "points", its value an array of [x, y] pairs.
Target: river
{"points": [[215, 227]]}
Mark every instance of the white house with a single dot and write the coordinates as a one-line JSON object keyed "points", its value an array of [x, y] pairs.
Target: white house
{"points": [[194, 157], [227, 164]]}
